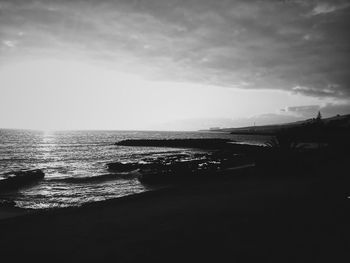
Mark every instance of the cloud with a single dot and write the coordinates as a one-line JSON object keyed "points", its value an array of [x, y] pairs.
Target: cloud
{"points": [[331, 91], [9, 43], [329, 7], [301, 112], [303, 109], [296, 46]]}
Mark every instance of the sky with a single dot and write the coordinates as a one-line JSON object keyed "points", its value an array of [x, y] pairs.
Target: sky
{"points": [[171, 64]]}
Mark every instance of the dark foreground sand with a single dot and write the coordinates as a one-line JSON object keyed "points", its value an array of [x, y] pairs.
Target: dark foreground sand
{"points": [[252, 218]]}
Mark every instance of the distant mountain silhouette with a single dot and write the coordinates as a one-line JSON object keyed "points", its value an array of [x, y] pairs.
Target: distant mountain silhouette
{"points": [[339, 122]]}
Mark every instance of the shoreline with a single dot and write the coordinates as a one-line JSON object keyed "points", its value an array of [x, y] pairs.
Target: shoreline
{"points": [[244, 170], [259, 216]]}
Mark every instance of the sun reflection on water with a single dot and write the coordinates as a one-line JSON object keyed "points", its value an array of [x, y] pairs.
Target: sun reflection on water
{"points": [[47, 146]]}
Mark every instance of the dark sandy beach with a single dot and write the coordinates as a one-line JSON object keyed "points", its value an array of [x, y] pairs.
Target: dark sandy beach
{"points": [[251, 218]]}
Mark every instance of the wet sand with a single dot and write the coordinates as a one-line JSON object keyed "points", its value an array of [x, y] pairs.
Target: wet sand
{"points": [[252, 218]]}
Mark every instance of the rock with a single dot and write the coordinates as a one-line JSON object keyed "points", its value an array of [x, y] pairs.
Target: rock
{"points": [[122, 167], [18, 179], [179, 143], [7, 203]]}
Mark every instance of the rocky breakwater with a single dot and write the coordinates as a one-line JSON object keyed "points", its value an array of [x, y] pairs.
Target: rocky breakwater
{"points": [[182, 167], [179, 143]]}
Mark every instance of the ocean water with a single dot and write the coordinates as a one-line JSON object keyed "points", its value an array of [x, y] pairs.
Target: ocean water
{"points": [[74, 163]]}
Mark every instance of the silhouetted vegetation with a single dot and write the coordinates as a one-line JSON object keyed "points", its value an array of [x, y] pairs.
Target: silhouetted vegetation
{"points": [[307, 146]]}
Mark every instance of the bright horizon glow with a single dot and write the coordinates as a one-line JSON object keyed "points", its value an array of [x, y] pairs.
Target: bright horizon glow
{"points": [[53, 94]]}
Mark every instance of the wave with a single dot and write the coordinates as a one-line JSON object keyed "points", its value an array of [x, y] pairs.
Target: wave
{"points": [[95, 179]]}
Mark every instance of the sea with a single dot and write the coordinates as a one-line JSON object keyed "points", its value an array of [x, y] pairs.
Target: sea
{"points": [[74, 163]]}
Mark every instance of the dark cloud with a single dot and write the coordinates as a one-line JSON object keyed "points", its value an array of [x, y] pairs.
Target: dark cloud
{"points": [[297, 46]]}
